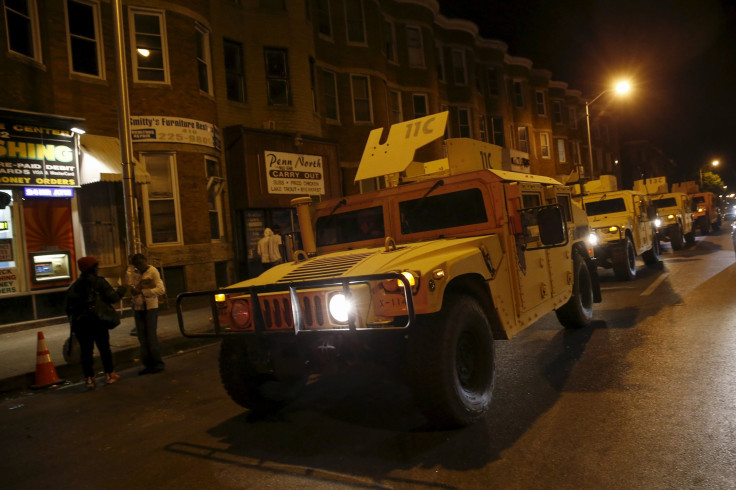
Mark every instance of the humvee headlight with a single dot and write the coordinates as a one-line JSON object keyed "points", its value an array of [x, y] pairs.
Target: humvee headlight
{"points": [[240, 313], [613, 229], [339, 307], [592, 239], [219, 298], [393, 285], [670, 216], [700, 210], [657, 222]]}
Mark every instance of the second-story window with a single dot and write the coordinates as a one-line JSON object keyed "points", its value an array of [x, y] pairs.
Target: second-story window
{"points": [[458, 67], [557, 112], [482, 131], [354, 21], [561, 153], [419, 102], [329, 88], [414, 46], [573, 114], [362, 110], [519, 94], [440, 63], [83, 31], [524, 139], [396, 112], [21, 22], [234, 73], [324, 22], [389, 40], [277, 76], [463, 122], [150, 56], [541, 103], [493, 89], [204, 64], [544, 145], [496, 133]]}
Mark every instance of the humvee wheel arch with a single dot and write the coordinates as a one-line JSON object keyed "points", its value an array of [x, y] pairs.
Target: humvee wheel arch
{"points": [[451, 362], [623, 257], [578, 311]]}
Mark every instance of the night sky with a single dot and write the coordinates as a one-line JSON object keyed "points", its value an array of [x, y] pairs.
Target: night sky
{"points": [[679, 54]]}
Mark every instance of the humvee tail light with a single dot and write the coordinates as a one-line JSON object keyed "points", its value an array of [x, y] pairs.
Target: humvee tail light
{"points": [[339, 308], [240, 313], [219, 298]]}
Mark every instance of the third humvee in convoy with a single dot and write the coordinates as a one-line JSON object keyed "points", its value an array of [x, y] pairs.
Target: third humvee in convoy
{"points": [[420, 278], [706, 208], [674, 210]]}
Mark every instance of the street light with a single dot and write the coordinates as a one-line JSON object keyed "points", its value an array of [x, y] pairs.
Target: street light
{"points": [[621, 88], [714, 163]]}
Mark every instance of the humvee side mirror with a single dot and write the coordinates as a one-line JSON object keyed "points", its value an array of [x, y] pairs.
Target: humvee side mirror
{"points": [[652, 213], [551, 226]]}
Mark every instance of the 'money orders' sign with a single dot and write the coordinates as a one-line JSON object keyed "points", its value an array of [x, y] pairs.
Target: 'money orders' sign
{"points": [[292, 173]]}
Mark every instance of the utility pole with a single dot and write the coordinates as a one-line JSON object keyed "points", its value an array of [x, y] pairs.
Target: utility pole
{"points": [[133, 241]]}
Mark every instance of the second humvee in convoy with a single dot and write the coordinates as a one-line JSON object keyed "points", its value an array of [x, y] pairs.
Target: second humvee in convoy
{"points": [[421, 277]]}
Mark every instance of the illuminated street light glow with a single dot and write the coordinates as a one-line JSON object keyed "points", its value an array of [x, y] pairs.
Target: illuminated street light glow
{"points": [[622, 87]]}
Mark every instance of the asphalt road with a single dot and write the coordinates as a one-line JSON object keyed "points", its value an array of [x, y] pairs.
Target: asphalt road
{"points": [[645, 398]]}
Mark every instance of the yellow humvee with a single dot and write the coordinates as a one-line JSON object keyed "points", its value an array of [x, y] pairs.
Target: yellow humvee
{"points": [[420, 277]]}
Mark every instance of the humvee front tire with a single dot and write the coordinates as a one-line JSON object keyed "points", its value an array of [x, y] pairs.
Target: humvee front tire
{"points": [[259, 392], [624, 260], [651, 256], [676, 238], [578, 311], [451, 363]]}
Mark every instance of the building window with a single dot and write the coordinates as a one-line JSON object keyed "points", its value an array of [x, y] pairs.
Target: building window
{"points": [[463, 122], [312, 82], [544, 145], [324, 22], [21, 23], [204, 62], [277, 76], [575, 150], [355, 21], [524, 139], [493, 86], [458, 67], [214, 198], [234, 73], [329, 87], [482, 128], [557, 112], [148, 41], [541, 103], [561, 153], [497, 136], [572, 112], [83, 31], [419, 102], [161, 203], [396, 113], [519, 95], [362, 111], [414, 46], [389, 40], [440, 63]]}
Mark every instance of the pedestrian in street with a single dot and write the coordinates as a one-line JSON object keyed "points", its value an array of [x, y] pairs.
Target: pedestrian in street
{"points": [[85, 324], [269, 248], [145, 290]]}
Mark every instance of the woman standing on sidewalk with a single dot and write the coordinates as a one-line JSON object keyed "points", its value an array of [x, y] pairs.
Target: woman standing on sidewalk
{"points": [[85, 324]]}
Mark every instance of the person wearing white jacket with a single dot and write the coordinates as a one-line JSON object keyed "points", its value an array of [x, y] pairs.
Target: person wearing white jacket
{"points": [[269, 248], [146, 289]]}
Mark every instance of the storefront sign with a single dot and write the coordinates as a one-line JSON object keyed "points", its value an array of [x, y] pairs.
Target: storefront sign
{"points": [[36, 155], [167, 129], [293, 173], [47, 192], [8, 281], [6, 248]]}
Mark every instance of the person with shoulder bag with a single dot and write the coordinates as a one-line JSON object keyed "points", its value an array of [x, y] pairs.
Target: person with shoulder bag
{"points": [[88, 301], [146, 289]]}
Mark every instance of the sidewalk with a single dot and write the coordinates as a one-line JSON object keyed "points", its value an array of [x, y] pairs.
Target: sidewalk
{"points": [[18, 348]]}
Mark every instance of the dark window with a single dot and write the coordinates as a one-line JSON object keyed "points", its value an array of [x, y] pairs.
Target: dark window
{"points": [[353, 226], [667, 202], [518, 95], [442, 212], [234, 74], [329, 87], [594, 208], [83, 41], [277, 76], [564, 201], [20, 25], [323, 18], [354, 19]]}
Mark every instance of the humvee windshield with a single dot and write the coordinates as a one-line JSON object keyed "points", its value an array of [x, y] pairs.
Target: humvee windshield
{"points": [[698, 199], [606, 206], [444, 211], [352, 226], [667, 202]]}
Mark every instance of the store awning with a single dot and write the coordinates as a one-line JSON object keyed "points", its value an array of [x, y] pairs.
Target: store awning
{"points": [[101, 161]]}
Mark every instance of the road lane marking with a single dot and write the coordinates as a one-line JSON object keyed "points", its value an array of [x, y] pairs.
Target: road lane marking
{"points": [[654, 285]]}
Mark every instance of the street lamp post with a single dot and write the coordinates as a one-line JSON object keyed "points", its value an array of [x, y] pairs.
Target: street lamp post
{"points": [[621, 88], [714, 163]]}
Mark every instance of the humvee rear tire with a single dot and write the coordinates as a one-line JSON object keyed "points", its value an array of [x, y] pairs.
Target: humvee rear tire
{"points": [[259, 392], [624, 260], [578, 311], [676, 238], [651, 256], [452, 364]]}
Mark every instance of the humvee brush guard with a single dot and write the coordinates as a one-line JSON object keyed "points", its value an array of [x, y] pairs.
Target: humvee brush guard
{"points": [[420, 277]]}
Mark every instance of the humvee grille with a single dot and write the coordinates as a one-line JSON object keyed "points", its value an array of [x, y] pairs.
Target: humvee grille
{"points": [[324, 267]]}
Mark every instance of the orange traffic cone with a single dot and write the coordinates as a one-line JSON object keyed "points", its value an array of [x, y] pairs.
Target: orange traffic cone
{"points": [[45, 371]]}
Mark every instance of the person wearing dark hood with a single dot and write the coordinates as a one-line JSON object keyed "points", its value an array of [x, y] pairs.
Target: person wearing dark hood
{"points": [[85, 324]]}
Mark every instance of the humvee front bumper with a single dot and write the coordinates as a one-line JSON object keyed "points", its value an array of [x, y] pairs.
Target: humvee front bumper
{"points": [[303, 307]]}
